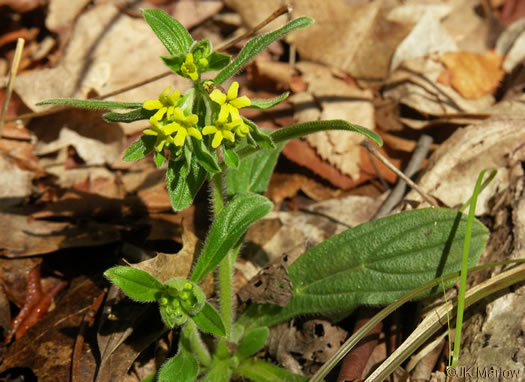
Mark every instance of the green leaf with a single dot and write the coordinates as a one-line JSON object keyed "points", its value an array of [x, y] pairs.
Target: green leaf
{"points": [[174, 62], [217, 61], [205, 158], [263, 104], [302, 129], [170, 32], [150, 378], [231, 224], [182, 188], [209, 321], [374, 264], [132, 116], [90, 103], [257, 45], [181, 368], [262, 371], [231, 158], [136, 283], [159, 158], [201, 49], [219, 371], [252, 342], [263, 140], [254, 172], [140, 148]]}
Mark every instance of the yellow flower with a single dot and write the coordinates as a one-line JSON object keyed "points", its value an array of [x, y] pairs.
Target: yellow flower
{"points": [[222, 129], [230, 103], [242, 129], [165, 104], [189, 69], [182, 125]]}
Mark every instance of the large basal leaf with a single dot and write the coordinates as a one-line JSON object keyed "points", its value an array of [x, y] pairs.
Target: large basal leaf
{"points": [[374, 264], [170, 32], [182, 188], [181, 368], [257, 45], [231, 224], [254, 172], [90, 103], [303, 129]]}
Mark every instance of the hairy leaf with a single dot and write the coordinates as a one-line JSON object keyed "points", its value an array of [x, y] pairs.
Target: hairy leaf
{"points": [[181, 368], [302, 129], [170, 32], [209, 320], [231, 158], [263, 140], [263, 104], [262, 371], [252, 342], [231, 224], [374, 264], [183, 183], [217, 61], [257, 45], [131, 116], [90, 103], [205, 158], [136, 283], [140, 148]]}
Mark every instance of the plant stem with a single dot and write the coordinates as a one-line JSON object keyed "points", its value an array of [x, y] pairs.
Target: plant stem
{"points": [[217, 194], [197, 347]]}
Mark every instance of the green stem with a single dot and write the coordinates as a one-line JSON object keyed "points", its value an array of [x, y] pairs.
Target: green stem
{"points": [[217, 193], [192, 335]]}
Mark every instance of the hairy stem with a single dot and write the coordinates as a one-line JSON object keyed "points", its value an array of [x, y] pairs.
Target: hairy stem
{"points": [[197, 346]]}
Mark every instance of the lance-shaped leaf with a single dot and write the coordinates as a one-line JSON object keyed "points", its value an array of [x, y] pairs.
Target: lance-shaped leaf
{"points": [[252, 342], [231, 158], [231, 224], [263, 140], [140, 148], [131, 116], [303, 129], [263, 104], [262, 371], [374, 264], [181, 368], [90, 103], [209, 320], [254, 172], [170, 32], [205, 158], [136, 283], [217, 61], [183, 183], [159, 158], [257, 45]]}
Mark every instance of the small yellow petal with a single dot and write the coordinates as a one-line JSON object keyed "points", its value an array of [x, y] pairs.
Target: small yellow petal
{"points": [[209, 130], [241, 102], [217, 139], [159, 114], [229, 135], [189, 58], [171, 128], [223, 113], [192, 119], [180, 137], [193, 75], [233, 91], [152, 104], [178, 114], [149, 132], [159, 143], [173, 98], [218, 97], [195, 133], [234, 112]]}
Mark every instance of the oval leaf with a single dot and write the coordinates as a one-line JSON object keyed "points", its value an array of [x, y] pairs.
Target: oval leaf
{"points": [[170, 32], [375, 263], [181, 368], [209, 321], [252, 342], [302, 129], [257, 45], [136, 283], [229, 226]]}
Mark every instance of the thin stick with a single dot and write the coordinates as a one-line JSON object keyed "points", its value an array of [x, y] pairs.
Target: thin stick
{"points": [[395, 196], [430, 200], [281, 11], [10, 81]]}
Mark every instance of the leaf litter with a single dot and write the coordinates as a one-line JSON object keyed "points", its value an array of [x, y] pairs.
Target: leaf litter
{"points": [[441, 67]]}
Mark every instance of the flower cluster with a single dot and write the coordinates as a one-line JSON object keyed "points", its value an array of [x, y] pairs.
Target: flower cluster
{"points": [[171, 124], [180, 300]]}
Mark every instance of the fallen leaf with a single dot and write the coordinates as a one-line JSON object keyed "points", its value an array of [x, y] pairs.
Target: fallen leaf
{"points": [[283, 186], [191, 13], [473, 75], [511, 44], [453, 169], [61, 13], [23, 6], [428, 36]]}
